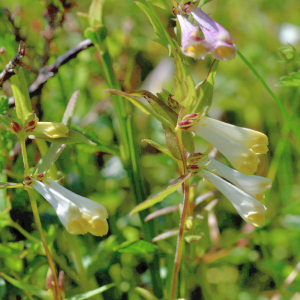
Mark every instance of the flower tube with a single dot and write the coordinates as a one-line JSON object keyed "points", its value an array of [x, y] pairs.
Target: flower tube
{"points": [[254, 186], [242, 158], [192, 44], [78, 214], [254, 140], [218, 37], [251, 210]]}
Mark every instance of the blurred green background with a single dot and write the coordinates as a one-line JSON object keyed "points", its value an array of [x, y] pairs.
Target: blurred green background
{"points": [[232, 261]]}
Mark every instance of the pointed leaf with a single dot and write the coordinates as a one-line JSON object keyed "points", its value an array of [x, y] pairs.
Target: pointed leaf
{"points": [[70, 109], [22, 110], [172, 142], [147, 110], [161, 195], [161, 4], [49, 158], [73, 137], [293, 79], [24, 89], [96, 34], [158, 105], [10, 185], [99, 148], [136, 247], [161, 212], [26, 287], [188, 141], [145, 294], [95, 12], [159, 147], [5, 123], [92, 293], [205, 90], [165, 235]]}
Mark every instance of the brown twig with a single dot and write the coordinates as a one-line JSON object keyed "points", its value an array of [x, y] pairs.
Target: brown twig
{"points": [[49, 71], [9, 69], [17, 34]]}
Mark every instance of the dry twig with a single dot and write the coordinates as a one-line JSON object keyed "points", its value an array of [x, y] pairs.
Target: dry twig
{"points": [[9, 69]]}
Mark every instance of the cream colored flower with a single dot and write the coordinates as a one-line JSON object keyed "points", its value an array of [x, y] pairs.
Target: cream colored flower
{"points": [[78, 214]]}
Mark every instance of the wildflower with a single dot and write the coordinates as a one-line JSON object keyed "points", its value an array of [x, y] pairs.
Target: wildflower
{"points": [[78, 214], [192, 44], [239, 145], [250, 209], [255, 186], [215, 35]]}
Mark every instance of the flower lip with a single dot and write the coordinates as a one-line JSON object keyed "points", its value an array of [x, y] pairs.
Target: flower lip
{"points": [[78, 214]]}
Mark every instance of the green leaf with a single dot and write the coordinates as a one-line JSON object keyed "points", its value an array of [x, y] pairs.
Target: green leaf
{"points": [[161, 195], [11, 250], [293, 79], [158, 105], [98, 148], [159, 147], [136, 247], [193, 238], [10, 185], [73, 137], [203, 2], [70, 109], [49, 158], [3, 105], [26, 287], [2, 288], [96, 34], [172, 142], [95, 12], [92, 293], [146, 294], [22, 110], [188, 141], [147, 110], [205, 90], [161, 4], [5, 123], [24, 89]]}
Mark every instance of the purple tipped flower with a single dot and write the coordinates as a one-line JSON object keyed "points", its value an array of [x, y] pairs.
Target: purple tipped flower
{"points": [[215, 35], [192, 44]]}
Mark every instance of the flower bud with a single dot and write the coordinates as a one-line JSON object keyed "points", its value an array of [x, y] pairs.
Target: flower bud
{"points": [[15, 126], [30, 126], [27, 180]]}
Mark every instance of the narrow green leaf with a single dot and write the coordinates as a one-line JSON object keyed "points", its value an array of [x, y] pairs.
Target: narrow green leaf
{"points": [[146, 294], [193, 238], [161, 4], [10, 185], [172, 142], [5, 123], [70, 109], [49, 158], [158, 105], [99, 148], [136, 247], [158, 27], [26, 287], [24, 89], [92, 293], [147, 110], [23, 112], [161, 195], [73, 137], [159, 147], [188, 141], [96, 34], [95, 12], [205, 90]]}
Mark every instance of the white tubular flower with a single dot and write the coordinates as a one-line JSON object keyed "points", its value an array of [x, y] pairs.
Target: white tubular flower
{"points": [[254, 140], [242, 158], [78, 214], [254, 186], [251, 210]]}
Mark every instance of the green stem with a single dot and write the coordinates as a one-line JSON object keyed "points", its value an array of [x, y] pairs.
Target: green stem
{"points": [[24, 154], [130, 159], [37, 219], [279, 104]]}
